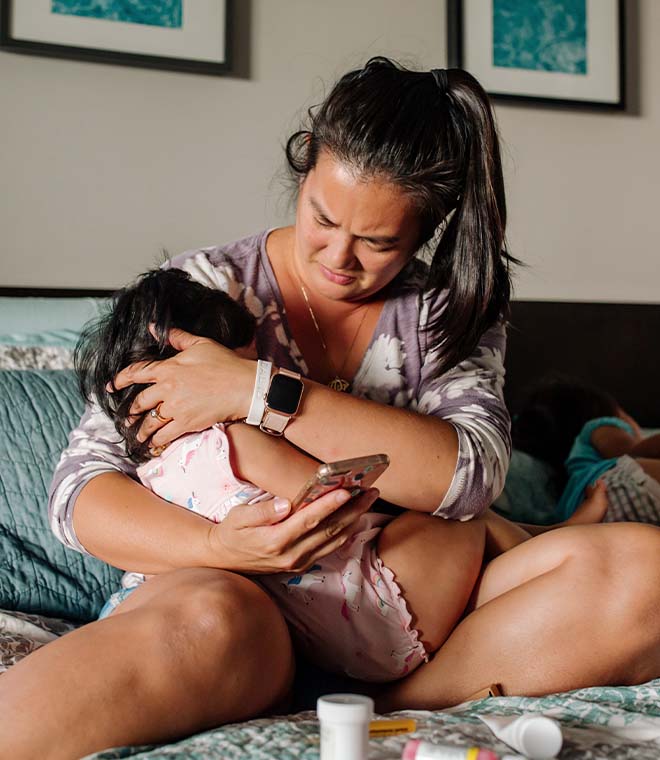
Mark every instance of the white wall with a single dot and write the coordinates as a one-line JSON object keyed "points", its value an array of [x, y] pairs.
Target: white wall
{"points": [[103, 166]]}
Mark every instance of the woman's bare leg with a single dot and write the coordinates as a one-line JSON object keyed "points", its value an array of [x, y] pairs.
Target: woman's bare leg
{"points": [[185, 652], [571, 608], [437, 562]]}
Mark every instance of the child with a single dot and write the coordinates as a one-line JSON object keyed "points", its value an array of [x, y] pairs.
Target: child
{"points": [[217, 469], [583, 432], [346, 610]]}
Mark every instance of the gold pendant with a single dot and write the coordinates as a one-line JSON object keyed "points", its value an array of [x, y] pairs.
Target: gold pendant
{"points": [[338, 384]]}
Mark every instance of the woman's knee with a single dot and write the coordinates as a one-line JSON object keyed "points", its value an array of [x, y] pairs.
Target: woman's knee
{"points": [[630, 599], [212, 602], [209, 625]]}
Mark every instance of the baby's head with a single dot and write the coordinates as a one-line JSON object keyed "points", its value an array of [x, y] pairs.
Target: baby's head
{"points": [[164, 298], [554, 412]]}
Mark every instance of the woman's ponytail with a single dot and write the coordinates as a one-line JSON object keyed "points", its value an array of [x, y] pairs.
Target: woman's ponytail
{"points": [[471, 261], [433, 134]]}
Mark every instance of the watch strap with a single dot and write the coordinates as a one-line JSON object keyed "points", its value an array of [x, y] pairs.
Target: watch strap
{"points": [[273, 421], [258, 404]]}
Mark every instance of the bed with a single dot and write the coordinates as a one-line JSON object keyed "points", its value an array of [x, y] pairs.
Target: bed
{"points": [[46, 591]]}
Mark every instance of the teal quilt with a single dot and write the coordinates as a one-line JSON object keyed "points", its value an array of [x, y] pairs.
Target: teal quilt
{"points": [[38, 408], [609, 723]]}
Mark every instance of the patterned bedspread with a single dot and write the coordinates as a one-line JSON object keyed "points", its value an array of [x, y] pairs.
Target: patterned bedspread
{"points": [[615, 723]]}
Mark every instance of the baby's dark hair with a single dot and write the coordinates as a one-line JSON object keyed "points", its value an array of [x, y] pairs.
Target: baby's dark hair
{"points": [[553, 413], [165, 298]]}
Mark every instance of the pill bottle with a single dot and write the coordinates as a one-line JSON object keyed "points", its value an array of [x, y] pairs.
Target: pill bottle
{"points": [[344, 722], [536, 736]]}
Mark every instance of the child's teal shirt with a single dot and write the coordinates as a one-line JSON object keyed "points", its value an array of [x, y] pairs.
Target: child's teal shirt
{"points": [[585, 465]]}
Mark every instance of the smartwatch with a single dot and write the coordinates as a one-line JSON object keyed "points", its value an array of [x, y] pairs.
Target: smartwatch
{"points": [[282, 401]]}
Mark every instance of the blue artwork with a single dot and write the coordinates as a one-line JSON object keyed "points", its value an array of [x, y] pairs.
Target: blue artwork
{"points": [[544, 35], [166, 13]]}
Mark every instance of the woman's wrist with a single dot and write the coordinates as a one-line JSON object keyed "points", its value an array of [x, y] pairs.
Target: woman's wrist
{"points": [[243, 387], [258, 400], [215, 551]]}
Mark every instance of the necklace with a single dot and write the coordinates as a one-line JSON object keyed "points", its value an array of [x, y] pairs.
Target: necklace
{"points": [[337, 383]]}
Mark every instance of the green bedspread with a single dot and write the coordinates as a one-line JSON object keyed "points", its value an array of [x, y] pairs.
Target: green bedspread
{"points": [[37, 573], [615, 723], [37, 409]]}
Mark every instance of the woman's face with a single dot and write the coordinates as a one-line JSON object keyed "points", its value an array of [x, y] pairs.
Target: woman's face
{"points": [[353, 235]]}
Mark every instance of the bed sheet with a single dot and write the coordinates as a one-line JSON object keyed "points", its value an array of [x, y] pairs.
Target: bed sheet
{"points": [[613, 723], [620, 723]]}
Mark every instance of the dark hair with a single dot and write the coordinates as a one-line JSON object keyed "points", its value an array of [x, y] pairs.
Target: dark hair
{"points": [[553, 413], [166, 298], [434, 135]]}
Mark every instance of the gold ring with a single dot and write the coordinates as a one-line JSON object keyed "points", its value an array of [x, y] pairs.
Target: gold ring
{"points": [[155, 414], [332, 529], [156, 451]]}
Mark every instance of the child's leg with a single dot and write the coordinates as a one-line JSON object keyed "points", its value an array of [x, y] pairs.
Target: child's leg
{"points": [[437, 562], [576, 607], [591, 511], [650, 466]]}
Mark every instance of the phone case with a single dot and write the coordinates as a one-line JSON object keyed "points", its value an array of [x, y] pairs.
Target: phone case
{"points": [[360, 472]]}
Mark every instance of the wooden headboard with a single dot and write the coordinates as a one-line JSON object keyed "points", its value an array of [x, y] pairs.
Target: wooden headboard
{"points": [[613, 346]]}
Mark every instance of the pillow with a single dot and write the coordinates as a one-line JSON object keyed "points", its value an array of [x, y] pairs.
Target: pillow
{"points": [[41, 333], [531, 491], [45, 321], [38, 574]]}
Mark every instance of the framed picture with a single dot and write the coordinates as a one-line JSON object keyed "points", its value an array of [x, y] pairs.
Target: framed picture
{"points": [[568, 52], [179, 35]]}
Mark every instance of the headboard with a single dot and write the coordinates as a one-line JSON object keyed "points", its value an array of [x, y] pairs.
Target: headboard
{"points": [[613, 346]]}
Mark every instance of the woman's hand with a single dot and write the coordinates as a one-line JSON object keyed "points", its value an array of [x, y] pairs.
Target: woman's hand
{"points": [[257, 539], [203, 384]]}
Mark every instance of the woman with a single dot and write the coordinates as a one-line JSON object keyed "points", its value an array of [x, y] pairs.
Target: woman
{"points": [[391, 156]]}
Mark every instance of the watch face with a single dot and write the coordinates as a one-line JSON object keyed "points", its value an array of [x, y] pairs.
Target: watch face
{"points": [[284, 394]]}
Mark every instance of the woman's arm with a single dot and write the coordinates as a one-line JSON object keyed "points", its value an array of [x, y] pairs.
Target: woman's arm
{"points": [[124, 524], [449, 449], [423, 449], [96, 507]]}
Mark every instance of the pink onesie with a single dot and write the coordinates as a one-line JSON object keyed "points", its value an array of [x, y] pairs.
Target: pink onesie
{"points": [[346, 611]]}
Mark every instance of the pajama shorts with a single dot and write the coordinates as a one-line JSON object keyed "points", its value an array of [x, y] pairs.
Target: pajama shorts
{"points": [[633, 495], [346, 612]]}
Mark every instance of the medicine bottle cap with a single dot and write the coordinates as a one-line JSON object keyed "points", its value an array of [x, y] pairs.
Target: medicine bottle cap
{"points": [[539, 737], [345, 708]]}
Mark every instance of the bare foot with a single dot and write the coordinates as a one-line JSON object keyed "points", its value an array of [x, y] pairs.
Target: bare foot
{"points": [[593, 508]]}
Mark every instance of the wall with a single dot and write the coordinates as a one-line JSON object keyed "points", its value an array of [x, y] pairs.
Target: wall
{"points": [[102, 167]]}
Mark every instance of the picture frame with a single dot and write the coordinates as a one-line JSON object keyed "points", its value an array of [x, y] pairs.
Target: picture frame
{"points": [[176, 35], [567, 53]]}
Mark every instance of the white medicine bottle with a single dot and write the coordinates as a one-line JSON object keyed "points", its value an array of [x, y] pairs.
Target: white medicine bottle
{"points": [[344, 722]]}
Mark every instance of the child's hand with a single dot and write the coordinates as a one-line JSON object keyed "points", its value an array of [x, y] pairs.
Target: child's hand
{"points": [[637, 431]]}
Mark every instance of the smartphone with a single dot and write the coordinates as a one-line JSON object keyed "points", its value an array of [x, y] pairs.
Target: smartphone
{"points": [[361, 472]]}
